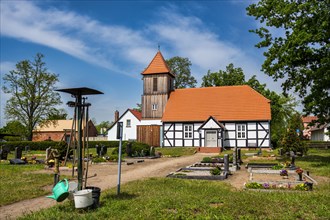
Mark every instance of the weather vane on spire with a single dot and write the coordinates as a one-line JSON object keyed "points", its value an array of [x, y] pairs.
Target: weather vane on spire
{"points": [[158, 47]]}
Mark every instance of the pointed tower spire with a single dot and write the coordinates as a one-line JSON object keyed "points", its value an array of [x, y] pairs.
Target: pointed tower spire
{"points": [[157, 65]]}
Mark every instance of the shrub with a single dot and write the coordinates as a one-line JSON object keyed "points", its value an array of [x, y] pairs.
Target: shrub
{"points": [[254, 185], [216, 171], [277, 167], [98, 160], [207, 160], [292, 142]]}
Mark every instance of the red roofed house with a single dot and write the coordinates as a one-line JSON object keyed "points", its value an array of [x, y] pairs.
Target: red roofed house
{"points": [[130, 118], [307, 128], [58, 130], [213, 117]]}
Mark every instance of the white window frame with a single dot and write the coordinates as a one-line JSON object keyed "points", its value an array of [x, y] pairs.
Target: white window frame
{"points": [[188, 130], [154, 107], [128, 123], [241, 131]]}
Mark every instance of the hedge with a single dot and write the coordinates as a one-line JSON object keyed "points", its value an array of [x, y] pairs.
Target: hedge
{"points": [[43, 145]]}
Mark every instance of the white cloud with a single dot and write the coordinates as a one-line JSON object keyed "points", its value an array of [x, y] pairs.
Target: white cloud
{"points": [[106, 45]]}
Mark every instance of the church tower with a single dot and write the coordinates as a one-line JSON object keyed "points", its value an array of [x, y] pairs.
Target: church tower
{"points": [[158, 82]]}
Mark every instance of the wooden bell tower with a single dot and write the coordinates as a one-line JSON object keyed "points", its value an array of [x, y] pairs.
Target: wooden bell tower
{"points": [[158, 82]]}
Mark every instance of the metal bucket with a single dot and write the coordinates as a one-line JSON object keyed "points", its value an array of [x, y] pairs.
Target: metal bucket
{"points": [[96, 193], [83, 198]]}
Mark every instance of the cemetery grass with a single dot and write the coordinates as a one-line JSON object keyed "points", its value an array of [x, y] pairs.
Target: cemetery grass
{"points": [[168, 198], [176, 151], [18, 183]]}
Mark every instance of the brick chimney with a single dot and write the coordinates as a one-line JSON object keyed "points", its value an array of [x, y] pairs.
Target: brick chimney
{"points": [[116, 115]]}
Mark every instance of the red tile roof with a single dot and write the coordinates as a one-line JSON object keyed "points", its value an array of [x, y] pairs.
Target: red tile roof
{"points": [[136, 113], [309, 119], [157, 65], [226, 103]]}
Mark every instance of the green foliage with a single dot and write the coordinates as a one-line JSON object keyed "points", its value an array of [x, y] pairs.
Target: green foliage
{"points": [[254, 185], [57, 114], [35, 146], [300, 55], [292, 142], [33, 97], [14, 127], [103, 126], [230, 77], [180, 67], [207, 160], [282, 108], [99, 160], [215, 171], [277, 167]]}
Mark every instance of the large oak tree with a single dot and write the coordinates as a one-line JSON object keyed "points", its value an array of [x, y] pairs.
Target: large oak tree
{"points": [[180, 67], [33, 98], [301, 54]]}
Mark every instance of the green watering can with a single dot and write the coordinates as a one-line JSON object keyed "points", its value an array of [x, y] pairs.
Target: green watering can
{"points": [[60, 191]]}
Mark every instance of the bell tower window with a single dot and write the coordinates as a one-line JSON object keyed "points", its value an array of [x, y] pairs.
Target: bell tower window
{"points": [[154, 107], [155, 84]]}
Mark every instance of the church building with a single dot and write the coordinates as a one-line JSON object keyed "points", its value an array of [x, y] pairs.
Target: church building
{"points": [[210, 117]]}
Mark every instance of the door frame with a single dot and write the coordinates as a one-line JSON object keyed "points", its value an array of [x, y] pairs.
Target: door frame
{"points": [[217, 137]]}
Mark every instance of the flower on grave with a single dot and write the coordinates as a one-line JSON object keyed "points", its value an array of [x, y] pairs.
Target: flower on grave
{"points": [[266, 185], [299, 170], [301, 186], [287, 164], [289, 186], [284, 172]]}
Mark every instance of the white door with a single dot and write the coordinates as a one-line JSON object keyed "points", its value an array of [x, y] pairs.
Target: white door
{"points": [[211, 139]]}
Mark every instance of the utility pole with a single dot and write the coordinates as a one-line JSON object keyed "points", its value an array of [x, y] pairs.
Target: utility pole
{"points": [[120, 137]]}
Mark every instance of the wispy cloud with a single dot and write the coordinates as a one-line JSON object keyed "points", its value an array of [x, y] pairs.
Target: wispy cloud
{"points": [[71, 33], [106, 45]]}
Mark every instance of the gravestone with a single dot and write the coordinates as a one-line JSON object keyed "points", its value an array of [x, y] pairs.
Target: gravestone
{"points": [[226, 163], [293, 157], [98, 150], [239, 160], [27, 149], [129, 149], [3, 154], [18, 153], [104, 150]]}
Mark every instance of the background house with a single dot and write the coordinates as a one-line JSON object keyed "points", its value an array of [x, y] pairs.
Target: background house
{"points": [[57, 130], [320, 133], [130, 118], [307, 128]]}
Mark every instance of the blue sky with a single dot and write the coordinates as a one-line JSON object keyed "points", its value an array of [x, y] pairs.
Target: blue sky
{"points": [[105, 45]]}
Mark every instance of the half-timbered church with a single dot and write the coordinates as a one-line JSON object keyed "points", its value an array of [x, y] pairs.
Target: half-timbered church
{"points": [[210, 117]]}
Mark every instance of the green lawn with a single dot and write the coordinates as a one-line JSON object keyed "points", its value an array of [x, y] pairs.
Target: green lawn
{"points": [[18, 183], [167, 198], [176, 151]]}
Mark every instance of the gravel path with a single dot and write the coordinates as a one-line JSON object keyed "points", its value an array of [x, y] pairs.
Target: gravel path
{"points": [[106, 177]]}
